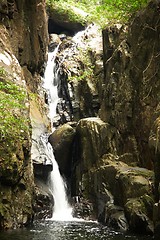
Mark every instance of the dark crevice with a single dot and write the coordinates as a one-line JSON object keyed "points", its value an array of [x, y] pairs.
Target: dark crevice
{"points": [[55, 28]]}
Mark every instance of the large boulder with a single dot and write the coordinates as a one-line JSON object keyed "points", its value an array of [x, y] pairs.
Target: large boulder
{"points": [[62, 142], [94, 138]]}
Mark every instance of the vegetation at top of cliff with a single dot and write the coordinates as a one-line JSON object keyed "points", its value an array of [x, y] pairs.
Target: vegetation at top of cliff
{"points": [[98, 11], [67, 11], [13, 125]]}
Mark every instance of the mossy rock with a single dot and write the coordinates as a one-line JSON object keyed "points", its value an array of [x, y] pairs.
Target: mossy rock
{"points": [[137, 214]]}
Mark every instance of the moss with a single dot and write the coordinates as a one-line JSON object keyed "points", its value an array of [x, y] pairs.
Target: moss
{"points": [[13, 122], [66, 11], [14, 128]]}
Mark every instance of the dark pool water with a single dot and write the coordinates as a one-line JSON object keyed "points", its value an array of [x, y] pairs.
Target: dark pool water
{"points": [[51, 230]]}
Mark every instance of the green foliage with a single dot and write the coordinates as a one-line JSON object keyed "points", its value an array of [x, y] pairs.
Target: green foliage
{"points": [[13, 125], [101, 11], [64, 9]]}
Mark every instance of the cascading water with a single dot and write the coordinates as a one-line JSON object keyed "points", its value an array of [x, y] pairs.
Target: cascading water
{"points": [[62, 210], [50, 84]]}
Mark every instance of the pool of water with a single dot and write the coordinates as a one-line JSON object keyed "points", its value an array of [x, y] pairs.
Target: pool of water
{"points": [[52, 230]]}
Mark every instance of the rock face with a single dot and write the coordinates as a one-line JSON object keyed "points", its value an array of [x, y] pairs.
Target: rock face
{"points": [[80, 65], [130, 98], [43, 203], [116, 154], [154, 145], [131, 94], [23, 38], [122, 194], [26, 19]]}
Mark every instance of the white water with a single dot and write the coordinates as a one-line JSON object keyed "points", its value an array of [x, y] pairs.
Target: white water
{"points": [[51, 88], [62, 210]]}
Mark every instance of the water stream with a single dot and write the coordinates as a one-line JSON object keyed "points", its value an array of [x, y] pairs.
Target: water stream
{"points": [[50, 84], [62, 209], [53, 230]]}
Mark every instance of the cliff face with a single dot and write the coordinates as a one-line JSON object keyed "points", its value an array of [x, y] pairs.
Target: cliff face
{"points": [[23, 44], [128, 127], [131, 98], [26, 23]]}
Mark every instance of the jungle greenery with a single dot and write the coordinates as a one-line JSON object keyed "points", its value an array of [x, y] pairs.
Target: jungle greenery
{"points": [[13, 125], [102, 11]]}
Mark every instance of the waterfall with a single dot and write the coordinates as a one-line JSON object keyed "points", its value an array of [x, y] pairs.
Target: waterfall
{"points": [[50, 84], [62, 210]]}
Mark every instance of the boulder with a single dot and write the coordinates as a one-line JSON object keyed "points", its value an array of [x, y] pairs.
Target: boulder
{"points": [[94, 138], [62, 142], [137, 216], [114, 217], [54, 41], [82, 208]]}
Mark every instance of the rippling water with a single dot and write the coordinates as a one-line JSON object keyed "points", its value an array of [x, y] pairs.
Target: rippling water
{"points": [[51, 230]]}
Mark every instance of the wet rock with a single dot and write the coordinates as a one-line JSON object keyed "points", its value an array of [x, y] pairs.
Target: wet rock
{"points": [[107, 180], [82, 208], [54, 41], [80, 63], [93, 135], [137, 216], [115, 217], [43, 202], [62, 142]]}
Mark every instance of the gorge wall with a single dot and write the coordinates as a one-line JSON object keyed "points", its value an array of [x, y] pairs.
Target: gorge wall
{"points": [[130, 100], [116, 144], [117, 153], [23, 45], [112, 138]]}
